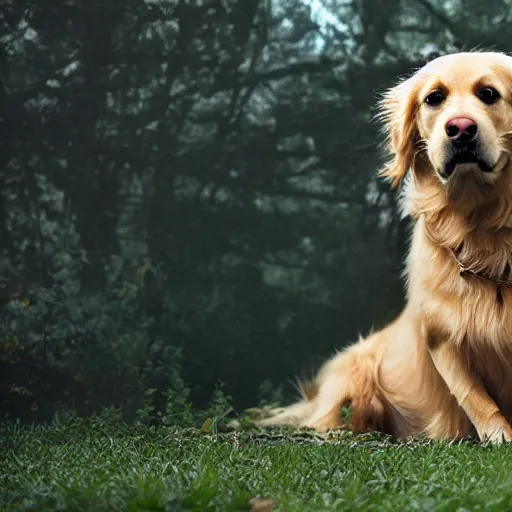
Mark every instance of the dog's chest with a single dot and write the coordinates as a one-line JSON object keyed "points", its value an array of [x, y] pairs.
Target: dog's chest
{"points": [[484, 311]]}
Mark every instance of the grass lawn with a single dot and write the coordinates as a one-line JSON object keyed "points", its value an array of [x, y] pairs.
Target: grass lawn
{"points": [[76, 466]]}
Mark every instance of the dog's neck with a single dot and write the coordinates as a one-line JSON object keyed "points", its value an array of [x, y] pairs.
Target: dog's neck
{"points": [[475, 237]]}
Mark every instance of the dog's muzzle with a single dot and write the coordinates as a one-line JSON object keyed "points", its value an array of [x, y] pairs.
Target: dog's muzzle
{"points": [[465, 153]]}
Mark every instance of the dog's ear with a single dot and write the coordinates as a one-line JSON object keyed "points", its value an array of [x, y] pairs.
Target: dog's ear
{"points": [[398, 110]]}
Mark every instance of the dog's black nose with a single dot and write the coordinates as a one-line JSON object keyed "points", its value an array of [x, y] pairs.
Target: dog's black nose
{"points": [[461, 129]]}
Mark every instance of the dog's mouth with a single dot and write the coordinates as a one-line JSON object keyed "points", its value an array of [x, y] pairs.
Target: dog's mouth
{"points": [[466, 154]]}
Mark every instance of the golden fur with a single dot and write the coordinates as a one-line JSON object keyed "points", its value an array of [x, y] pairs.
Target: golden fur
{"points": [[444, 366]]}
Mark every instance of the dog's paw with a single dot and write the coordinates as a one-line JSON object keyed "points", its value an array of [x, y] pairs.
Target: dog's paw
{"points": [[497, 431]]}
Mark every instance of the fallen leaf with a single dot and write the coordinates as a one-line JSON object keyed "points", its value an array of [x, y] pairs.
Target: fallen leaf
{"points": [[261, 505]]}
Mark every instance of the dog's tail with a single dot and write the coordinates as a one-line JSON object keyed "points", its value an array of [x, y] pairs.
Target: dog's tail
{"points": [[349, 378]]}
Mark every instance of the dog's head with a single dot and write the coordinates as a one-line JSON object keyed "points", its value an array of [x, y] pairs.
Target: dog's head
{"points": [[452, 120]]}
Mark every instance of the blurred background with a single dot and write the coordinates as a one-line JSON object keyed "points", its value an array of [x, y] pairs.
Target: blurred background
{"points": [[189, 212]]}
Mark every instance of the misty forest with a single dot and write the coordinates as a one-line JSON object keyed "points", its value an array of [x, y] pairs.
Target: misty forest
{"points": [[191, 219], [189, 208]]}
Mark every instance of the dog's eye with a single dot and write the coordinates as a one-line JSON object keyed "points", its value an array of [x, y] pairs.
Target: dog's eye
{"points": [[435, 98], [489, 95]]}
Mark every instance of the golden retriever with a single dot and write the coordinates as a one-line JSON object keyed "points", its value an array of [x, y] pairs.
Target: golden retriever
{"points": [[443, 368]]}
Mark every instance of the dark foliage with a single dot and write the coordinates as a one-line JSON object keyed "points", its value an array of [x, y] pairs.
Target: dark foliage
{"points": [[188, 193]]}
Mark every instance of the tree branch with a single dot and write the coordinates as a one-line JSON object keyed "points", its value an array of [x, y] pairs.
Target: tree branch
{"points": [[464, 34], [335, 199]]}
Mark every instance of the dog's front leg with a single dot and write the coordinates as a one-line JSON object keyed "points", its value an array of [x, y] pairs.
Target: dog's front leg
{"points": [[468, 390]]}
